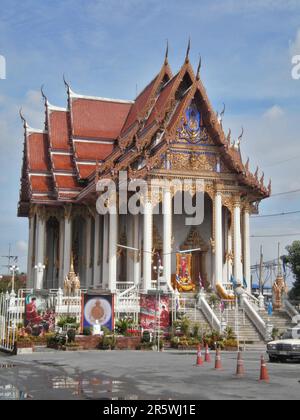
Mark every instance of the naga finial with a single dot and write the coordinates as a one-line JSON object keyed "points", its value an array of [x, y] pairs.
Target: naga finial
{"points": [[188, 51], [167, 53], [199, 68]]}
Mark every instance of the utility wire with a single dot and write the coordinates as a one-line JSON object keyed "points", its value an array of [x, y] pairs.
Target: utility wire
{"points": [[275, 214], [284, 193], [281, 235]]}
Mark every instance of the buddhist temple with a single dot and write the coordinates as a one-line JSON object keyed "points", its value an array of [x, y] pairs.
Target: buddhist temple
{"points": [[169, 132]]}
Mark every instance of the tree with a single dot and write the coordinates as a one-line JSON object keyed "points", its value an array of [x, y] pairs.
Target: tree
{"points": [[293, 259]]}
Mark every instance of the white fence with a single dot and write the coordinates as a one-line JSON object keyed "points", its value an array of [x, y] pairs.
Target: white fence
{"points": [[11, 315]]}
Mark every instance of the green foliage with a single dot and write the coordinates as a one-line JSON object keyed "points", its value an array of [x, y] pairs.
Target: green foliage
{"points": [[123, 325], [146, 337], [213, 299], [107, 342], [56, 341], [64, 320], [87, 331], [71, 335], [6, 283], [229, 334], [293, 258]]}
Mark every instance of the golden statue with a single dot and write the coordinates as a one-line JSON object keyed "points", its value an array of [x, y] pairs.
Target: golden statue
{"points": [[280, 289], [72, 281]]}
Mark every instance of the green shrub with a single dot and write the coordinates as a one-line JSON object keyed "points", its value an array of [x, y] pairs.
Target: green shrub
{"points": [[87, 331], [71, 335]]}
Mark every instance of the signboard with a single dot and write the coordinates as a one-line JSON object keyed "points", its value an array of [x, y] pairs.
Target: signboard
{"points": [[39, 314], [154, 311], [98, 308]]}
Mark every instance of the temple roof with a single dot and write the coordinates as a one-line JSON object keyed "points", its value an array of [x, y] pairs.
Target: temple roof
{"points": [[96, 137]]}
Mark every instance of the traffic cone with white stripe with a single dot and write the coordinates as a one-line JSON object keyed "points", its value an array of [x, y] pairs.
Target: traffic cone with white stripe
{"points": [[218, 364], [240, 370], [199, 357], [207, 355], [264, 374]]}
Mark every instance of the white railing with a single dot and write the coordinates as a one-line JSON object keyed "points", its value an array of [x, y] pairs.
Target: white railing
{"points": [[256, 319], [122, 286], [128, 302], [290, 309], [10, 316], [209, 314]]}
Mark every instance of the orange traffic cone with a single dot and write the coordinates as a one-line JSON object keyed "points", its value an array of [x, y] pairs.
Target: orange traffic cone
{"points": [[264, 374], [218, 364], [240, 371], [207, 355], [199, 357]]}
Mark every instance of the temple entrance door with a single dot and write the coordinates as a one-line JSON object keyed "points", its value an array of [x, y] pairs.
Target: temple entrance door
{"points": [[197, 267]]}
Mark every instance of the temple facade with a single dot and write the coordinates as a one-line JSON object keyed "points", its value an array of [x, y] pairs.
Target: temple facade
{"points": [[171, 133]]}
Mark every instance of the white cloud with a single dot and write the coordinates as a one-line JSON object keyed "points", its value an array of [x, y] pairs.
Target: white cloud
{"points": [[22, 247], [274, 113]]}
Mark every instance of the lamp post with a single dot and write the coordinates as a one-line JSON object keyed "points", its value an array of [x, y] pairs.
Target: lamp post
{"points": [[13, 269], [159, 270], [39, 277]]}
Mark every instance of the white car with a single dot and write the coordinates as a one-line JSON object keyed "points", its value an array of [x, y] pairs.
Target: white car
{"points": [[288, 348]]}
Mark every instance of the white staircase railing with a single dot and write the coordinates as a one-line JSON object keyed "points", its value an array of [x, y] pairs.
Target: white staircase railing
{"points": [[291, 310], [209, 314], [263, 328]]}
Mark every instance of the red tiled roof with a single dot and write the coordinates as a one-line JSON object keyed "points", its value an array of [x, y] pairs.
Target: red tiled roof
{"points": [[63, 181], [62, 162], [100, 119], [40, 184], [161, 101], [85, 170], [58, 130], [92, 151], [37, 152], [139, 105]]}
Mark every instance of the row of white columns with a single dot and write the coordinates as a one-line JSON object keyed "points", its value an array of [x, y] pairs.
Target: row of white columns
{"points": [[240, 249], [110, 236]]}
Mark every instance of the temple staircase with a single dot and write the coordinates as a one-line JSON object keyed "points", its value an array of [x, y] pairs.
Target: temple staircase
{"points": [[280, 320], [243, 328]]}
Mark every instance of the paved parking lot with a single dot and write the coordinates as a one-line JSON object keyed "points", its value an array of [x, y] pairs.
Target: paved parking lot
{"points": [[141, 375]]}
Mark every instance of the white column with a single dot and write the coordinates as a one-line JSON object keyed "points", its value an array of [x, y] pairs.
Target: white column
{"points": [[147, 251], [247, 258], [30, 273], [105, 251], [167, 236], [238, 269], [136, 244], [218, 239], [230, 253], [88, 273], [112, 260], [40, 239], [67, 245], [96, 268]]}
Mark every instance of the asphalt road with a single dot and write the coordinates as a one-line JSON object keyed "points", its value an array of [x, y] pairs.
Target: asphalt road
{"points": [[137, 375]]}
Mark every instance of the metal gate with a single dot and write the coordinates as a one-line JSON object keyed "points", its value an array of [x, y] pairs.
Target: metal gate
{"points": [[11, 314]]}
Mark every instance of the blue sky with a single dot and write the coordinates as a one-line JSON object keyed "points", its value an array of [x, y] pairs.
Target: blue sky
{"points": [[107, 48]]}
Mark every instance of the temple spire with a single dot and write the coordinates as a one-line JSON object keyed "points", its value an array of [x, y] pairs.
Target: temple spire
{"points": [[167, 53], [25, 125], [188, 51], [199, 68], [43, 95]]}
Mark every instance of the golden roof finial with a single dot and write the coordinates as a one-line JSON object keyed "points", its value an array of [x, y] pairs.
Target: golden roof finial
{"points": [[188, 51], [199, 68], [167, 53]]}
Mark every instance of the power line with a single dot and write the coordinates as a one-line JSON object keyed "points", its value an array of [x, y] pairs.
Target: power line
{"points": [[281, 161], [281, 235], [285, 193], [276, 214]]}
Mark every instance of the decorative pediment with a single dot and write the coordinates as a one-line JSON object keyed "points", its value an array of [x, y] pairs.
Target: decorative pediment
{"points": [[194, 241], [191, 129]]}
